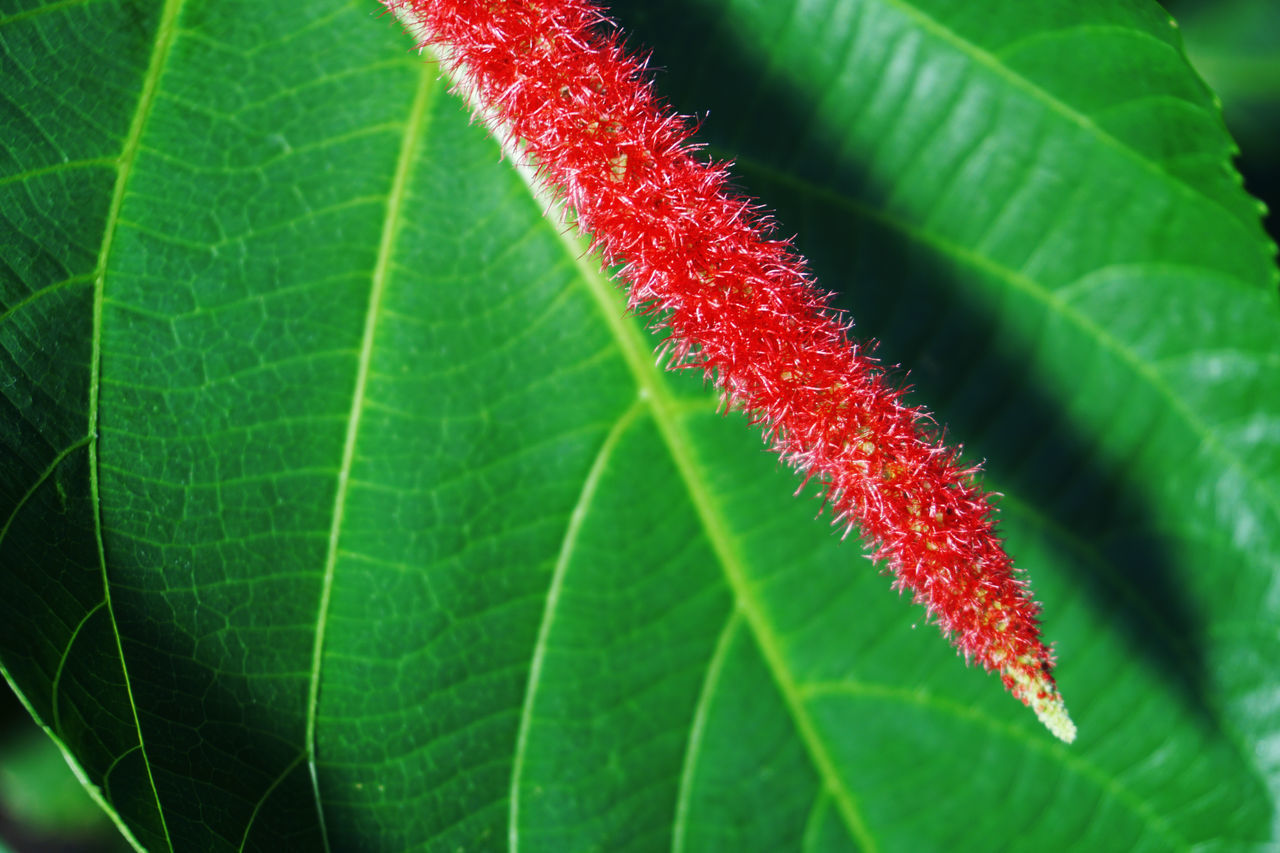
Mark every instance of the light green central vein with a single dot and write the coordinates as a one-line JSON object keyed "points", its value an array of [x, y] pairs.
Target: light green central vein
{"points": [[638, 356], [166, 34], [414, 130], [679, 444], [585, 497]]}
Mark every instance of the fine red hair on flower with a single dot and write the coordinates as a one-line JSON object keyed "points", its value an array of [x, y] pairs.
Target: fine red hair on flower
{"points": [[739, 303]]}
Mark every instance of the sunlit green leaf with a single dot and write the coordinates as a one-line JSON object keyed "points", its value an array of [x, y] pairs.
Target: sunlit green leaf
{"points": [[341, 506]]}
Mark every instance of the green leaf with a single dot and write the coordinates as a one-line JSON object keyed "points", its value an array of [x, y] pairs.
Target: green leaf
{"points": [[340, 506]]}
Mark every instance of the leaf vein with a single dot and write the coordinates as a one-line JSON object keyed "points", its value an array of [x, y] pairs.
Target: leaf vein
{"points": [[989, 60], [567, 546], [693, 749], [147, 97], [414, 130], [648, 376]]}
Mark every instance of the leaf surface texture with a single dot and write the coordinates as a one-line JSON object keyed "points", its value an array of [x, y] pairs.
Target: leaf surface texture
{"points": [[342, 507]]}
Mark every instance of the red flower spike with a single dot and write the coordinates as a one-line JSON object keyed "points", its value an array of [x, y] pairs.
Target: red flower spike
{"points": [[552, 77]]}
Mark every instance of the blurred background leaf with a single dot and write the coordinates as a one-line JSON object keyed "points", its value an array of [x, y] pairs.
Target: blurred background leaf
{"points": [[1235, 45], [43, 806]]}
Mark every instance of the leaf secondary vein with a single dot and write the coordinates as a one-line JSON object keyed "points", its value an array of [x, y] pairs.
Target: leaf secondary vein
{"points": [[47, 290], [1063, 755], [414, 130], [567, 546], [693, 748], [41, 11], [266, 795], [988, 60], [62, 663], [40, 481], [166, 35], [58, 168]]}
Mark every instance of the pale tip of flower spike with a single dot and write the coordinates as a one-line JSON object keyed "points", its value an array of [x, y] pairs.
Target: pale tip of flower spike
{"points": [[1041, 695]]}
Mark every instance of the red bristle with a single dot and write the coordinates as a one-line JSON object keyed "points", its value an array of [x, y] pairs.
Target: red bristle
{"points": [[739, 304]]}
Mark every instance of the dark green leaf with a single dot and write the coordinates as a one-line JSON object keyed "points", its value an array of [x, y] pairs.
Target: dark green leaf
{"points": [[341, 506]]}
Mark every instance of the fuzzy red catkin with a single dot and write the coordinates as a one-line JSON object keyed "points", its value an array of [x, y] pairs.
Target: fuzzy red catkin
{"points": [[552, 76]]}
